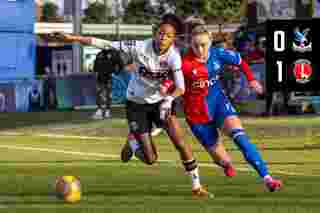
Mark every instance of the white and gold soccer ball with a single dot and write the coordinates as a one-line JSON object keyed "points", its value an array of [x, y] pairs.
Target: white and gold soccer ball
{"points": [[68, 188]]}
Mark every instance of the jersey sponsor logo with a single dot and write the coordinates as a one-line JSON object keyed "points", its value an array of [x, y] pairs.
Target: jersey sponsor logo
{"points": [[204, 83], [153, 74]]}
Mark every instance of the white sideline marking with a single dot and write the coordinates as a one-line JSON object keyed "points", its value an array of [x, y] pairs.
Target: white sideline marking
{"points": [[47, 135], [102, 155], [74, 137], [59, 151], [11, 134]]}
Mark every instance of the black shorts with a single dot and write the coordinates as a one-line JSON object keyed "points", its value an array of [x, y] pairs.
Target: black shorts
{"points": [[141, 117]]}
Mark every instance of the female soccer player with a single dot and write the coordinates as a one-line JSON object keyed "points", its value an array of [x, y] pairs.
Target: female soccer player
{"points": [[206, 106], [156, 60]]}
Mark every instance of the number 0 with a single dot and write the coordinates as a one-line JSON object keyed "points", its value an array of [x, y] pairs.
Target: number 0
{"points": [[279, 46]]}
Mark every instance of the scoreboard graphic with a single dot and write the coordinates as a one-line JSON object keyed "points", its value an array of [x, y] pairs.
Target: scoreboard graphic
{"points": [[292, 61]]}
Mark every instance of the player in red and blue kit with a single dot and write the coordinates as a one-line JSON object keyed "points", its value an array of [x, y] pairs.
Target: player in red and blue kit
{"points": [[206, 106]]}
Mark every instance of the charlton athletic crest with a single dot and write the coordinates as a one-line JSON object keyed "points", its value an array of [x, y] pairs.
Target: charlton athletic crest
{"points": [[302, 40], [302, 71]]}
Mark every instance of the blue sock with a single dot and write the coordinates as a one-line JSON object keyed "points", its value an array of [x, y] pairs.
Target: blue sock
{"points": [[249, 151]]}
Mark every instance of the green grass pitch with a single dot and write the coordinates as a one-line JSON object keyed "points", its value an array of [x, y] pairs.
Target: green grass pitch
{"points": [[37, 147]]}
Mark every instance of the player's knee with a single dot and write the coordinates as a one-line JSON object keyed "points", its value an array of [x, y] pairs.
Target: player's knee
{"points": [[175, 133], [172, 122], [190, 165], [209, 144]]}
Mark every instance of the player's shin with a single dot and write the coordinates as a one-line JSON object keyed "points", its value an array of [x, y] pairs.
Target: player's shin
{"points": [[174, 131], [175, 134], [147, 152], [249, 151], [218, 153], [191, 168], [129, 148], [222, 158], [253, 157]]}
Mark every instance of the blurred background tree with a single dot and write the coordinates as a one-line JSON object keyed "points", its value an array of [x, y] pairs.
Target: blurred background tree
{"points": [[139, 12], [97, 13], [146, 11], [50, 13]]}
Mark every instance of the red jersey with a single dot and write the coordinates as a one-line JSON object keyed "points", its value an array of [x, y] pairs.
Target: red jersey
{"points": [[196, 89]]}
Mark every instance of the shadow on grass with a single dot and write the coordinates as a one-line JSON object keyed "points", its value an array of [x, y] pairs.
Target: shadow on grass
{"points": [[15, 120]]}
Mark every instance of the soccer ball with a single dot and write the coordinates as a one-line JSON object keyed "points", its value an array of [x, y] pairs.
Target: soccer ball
{"points": [[68, 188]]}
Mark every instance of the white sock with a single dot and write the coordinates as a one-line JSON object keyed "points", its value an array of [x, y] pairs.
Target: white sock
{"points": [[99, 112], [195, 178], [107, 113], [134, 145]]}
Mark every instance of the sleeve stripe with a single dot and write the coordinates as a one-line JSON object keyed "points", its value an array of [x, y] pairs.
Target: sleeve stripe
{"points": [[240, 59]]}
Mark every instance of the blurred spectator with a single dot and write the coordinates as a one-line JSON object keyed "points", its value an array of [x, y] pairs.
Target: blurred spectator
{"points": [[34, 99], [254, 54], [50, 101], [231, 79], [2, 102]]}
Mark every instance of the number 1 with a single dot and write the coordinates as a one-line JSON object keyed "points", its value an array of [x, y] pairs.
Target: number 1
{"points": [[280, 65]]}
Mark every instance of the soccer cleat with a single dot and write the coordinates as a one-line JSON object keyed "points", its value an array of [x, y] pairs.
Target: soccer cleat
{"points": [[230, 171], [98, 115], [201, 193], [107, 114], [273, 184], [126, 153]]}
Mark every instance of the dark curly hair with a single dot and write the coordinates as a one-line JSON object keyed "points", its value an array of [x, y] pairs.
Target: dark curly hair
{"points": [[174, 21]]}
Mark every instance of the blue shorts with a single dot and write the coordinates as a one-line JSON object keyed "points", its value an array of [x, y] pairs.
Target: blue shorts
{"points": [[206, 133], [219, 108]]}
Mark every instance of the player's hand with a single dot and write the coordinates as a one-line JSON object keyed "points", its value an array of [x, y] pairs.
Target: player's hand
{"points": [[165, 107], [165, 87], [256, 86]]}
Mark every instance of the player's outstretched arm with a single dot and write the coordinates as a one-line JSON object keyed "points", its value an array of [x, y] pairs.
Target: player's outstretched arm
{"points": [[254, 84], [84, 40], [234, 58]]}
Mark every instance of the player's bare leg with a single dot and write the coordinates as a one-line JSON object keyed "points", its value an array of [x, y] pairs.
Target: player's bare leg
{"points": [[210, 139], [222, 158], [175, 133], [142, 146]]}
